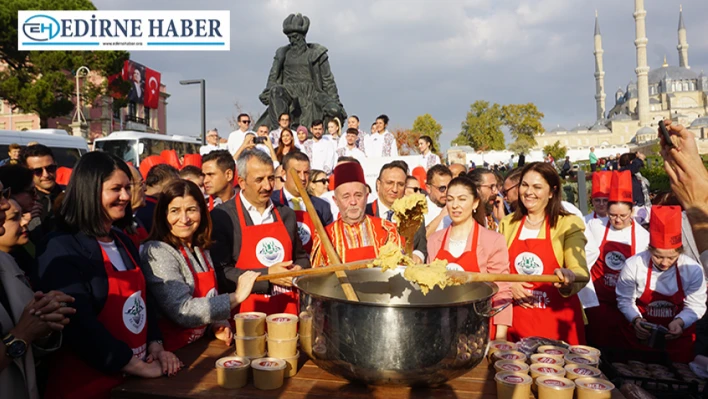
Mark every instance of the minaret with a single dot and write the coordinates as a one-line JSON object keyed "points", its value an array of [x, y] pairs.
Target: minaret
{"points": [[642, 68], [599, 73], [682, 42]]}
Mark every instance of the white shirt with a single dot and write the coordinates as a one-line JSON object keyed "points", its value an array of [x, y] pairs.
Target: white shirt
{"points": [[352, 152], [236, 140], [624, 236], [322, 153], [205, 149], [633, 279], [572, 209], [360, 140], [591, 216], [433, 212], [275, 136], [383, 211], [257, 217], [428, 161], [374, 145], [113, 254]]}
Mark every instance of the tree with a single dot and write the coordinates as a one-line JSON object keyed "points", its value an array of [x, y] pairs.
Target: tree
{"points": [[481, 129], [523, 120], [556, 150], [406, 140], [426, 125], [42, 81], [521, 146]]}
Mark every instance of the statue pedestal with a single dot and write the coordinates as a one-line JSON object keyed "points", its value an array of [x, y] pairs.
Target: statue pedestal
{"points": [[79, 129]]}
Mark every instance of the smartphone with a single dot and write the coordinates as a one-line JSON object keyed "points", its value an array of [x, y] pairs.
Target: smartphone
{"points": [[665, 134], [259, 140]]}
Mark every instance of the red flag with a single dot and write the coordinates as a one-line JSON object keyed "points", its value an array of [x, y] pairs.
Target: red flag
{"points": [[127, 70], [152, 88]]}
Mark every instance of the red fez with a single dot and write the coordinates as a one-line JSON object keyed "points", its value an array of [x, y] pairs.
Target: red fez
{"points": [[665, 227], [170, 157], [601, 182], [192, 159], [147, 164], [348, 172], [420, 175], [621, 188]]}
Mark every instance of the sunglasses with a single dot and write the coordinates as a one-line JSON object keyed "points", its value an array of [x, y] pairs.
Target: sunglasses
{"points": [[415, 189], [51, 169], [442, 189], [246, 121], [323, 181]]}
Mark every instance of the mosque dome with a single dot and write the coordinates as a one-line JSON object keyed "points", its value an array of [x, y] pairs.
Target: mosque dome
{"points": [[700, 122], [672, 72]]}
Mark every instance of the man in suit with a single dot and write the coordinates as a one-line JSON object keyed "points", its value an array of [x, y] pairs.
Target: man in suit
{"points": [[290, 197], [252, 233], [390, 186]]}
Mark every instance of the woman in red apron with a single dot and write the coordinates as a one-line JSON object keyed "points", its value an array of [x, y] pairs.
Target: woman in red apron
{"points": [[605, 319], [544, 239], [468, 246], [672, 294], [179, 271], [113, 332]]}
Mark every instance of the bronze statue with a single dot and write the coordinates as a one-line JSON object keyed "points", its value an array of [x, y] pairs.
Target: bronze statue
{"points": [[300, 82]]}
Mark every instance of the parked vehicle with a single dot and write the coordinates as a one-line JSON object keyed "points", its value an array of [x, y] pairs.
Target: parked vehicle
{"points": [[134, 146]]}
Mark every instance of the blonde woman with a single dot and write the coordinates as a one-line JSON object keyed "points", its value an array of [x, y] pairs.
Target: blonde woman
{"points": [[334, 127]]}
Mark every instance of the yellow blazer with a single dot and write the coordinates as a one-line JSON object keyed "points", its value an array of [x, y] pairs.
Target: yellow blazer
{"points": [[568, 239]]}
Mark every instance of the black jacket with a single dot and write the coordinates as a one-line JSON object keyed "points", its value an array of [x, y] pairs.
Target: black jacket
{"points": [[146, 213], [635, 166], [324, 211], [73, 264], [420, 241], [226, 234]]}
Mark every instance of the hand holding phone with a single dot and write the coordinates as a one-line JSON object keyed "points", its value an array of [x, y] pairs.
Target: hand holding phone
{"points": [[665, 134]]}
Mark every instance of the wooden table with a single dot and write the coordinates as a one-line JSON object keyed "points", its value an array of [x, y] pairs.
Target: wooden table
{"points": [[198, 380]]}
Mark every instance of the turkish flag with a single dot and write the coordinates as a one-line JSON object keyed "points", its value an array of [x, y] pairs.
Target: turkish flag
{"points": [[127, 70], [152, 88]]}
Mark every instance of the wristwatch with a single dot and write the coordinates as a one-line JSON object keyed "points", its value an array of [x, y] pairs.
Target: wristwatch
{"points": [[16, 347]]}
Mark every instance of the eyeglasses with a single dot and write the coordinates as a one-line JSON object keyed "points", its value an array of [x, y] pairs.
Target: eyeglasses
{"points": [[323, 181], [442, 189], [619, 217], [281, 178], [415, 189], [505, 191], [51, 169], [489, 186]]}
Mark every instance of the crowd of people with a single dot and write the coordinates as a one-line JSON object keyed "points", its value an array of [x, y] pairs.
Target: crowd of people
{"points": [[111, 274]]}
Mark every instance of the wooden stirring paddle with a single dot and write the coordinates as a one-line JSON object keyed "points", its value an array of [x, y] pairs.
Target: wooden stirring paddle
{"points": [[362, 264], [324, 238], [459, 277]]}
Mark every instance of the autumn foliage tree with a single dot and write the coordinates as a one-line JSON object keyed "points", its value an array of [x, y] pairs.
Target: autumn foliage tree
{"points": [[406, 140]]}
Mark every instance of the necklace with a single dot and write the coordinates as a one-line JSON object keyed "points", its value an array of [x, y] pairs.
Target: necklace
{"points": [[534, 224]]}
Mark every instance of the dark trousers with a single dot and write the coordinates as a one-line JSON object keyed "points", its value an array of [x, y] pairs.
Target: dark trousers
{"points": [[593, 167]]}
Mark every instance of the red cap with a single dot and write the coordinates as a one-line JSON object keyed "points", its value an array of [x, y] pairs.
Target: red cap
{"points": [[147, 164], [170, 157], [665, 227], [420, 175], [601, 182], [621, 188], [192, 159], [348, 172]]}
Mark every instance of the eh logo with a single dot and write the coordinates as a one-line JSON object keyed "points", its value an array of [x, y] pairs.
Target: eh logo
{"points": [[41, 28]]}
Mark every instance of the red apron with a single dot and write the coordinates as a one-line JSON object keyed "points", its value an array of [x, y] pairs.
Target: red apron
{"points": [[140, 233], [305, 227], [605, 319], [175, 336], [124, 316], [662, 309], [552, 315], [263, 246]]}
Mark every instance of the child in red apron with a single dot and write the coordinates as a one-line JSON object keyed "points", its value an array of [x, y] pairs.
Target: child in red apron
{"points": [[175, 336], [552, 315]]}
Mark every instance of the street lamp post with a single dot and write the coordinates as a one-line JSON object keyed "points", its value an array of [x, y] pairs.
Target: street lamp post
{"points": [[202, 84]]}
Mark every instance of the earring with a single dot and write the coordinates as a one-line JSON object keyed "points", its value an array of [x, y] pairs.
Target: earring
{"points": [[474, 210]]}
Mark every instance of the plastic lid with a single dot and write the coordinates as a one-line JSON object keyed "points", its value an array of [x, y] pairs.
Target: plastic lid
{"points": [[503, 345], [546, 358], [268, 364], [581, 369], [305, 315], [594, 384], [250, 315], [584, 350], [542, 368], [510, 355], [238, 337], [552, 350], [554, 382], [514, 366], [233, 362], [282, 318], [581, 359], [513, 378]]}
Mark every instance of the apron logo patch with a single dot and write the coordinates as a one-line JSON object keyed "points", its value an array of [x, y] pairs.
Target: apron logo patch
{"points": [[529, 264], [303, 230], [270, 251], [615, 260], [610, 279], [540, 299], [134, 316], [664, 309], [454, 267]]}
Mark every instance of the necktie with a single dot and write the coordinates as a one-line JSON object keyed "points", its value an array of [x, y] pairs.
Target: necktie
{"points": [[297, 203], [389, 216]]}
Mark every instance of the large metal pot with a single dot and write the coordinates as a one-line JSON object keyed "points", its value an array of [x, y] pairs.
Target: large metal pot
{"points": [[395, 335]]}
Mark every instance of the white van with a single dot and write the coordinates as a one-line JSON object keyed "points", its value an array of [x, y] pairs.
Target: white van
{"points": [[67, 149], [135, 146]]}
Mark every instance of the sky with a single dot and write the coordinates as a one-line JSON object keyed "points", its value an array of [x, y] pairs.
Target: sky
{"points": [[405, 58]]}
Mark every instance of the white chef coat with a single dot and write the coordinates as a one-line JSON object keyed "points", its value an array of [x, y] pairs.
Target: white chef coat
{"points": [[591, 216], [322, 153], [624, 236], [632, 280]]}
